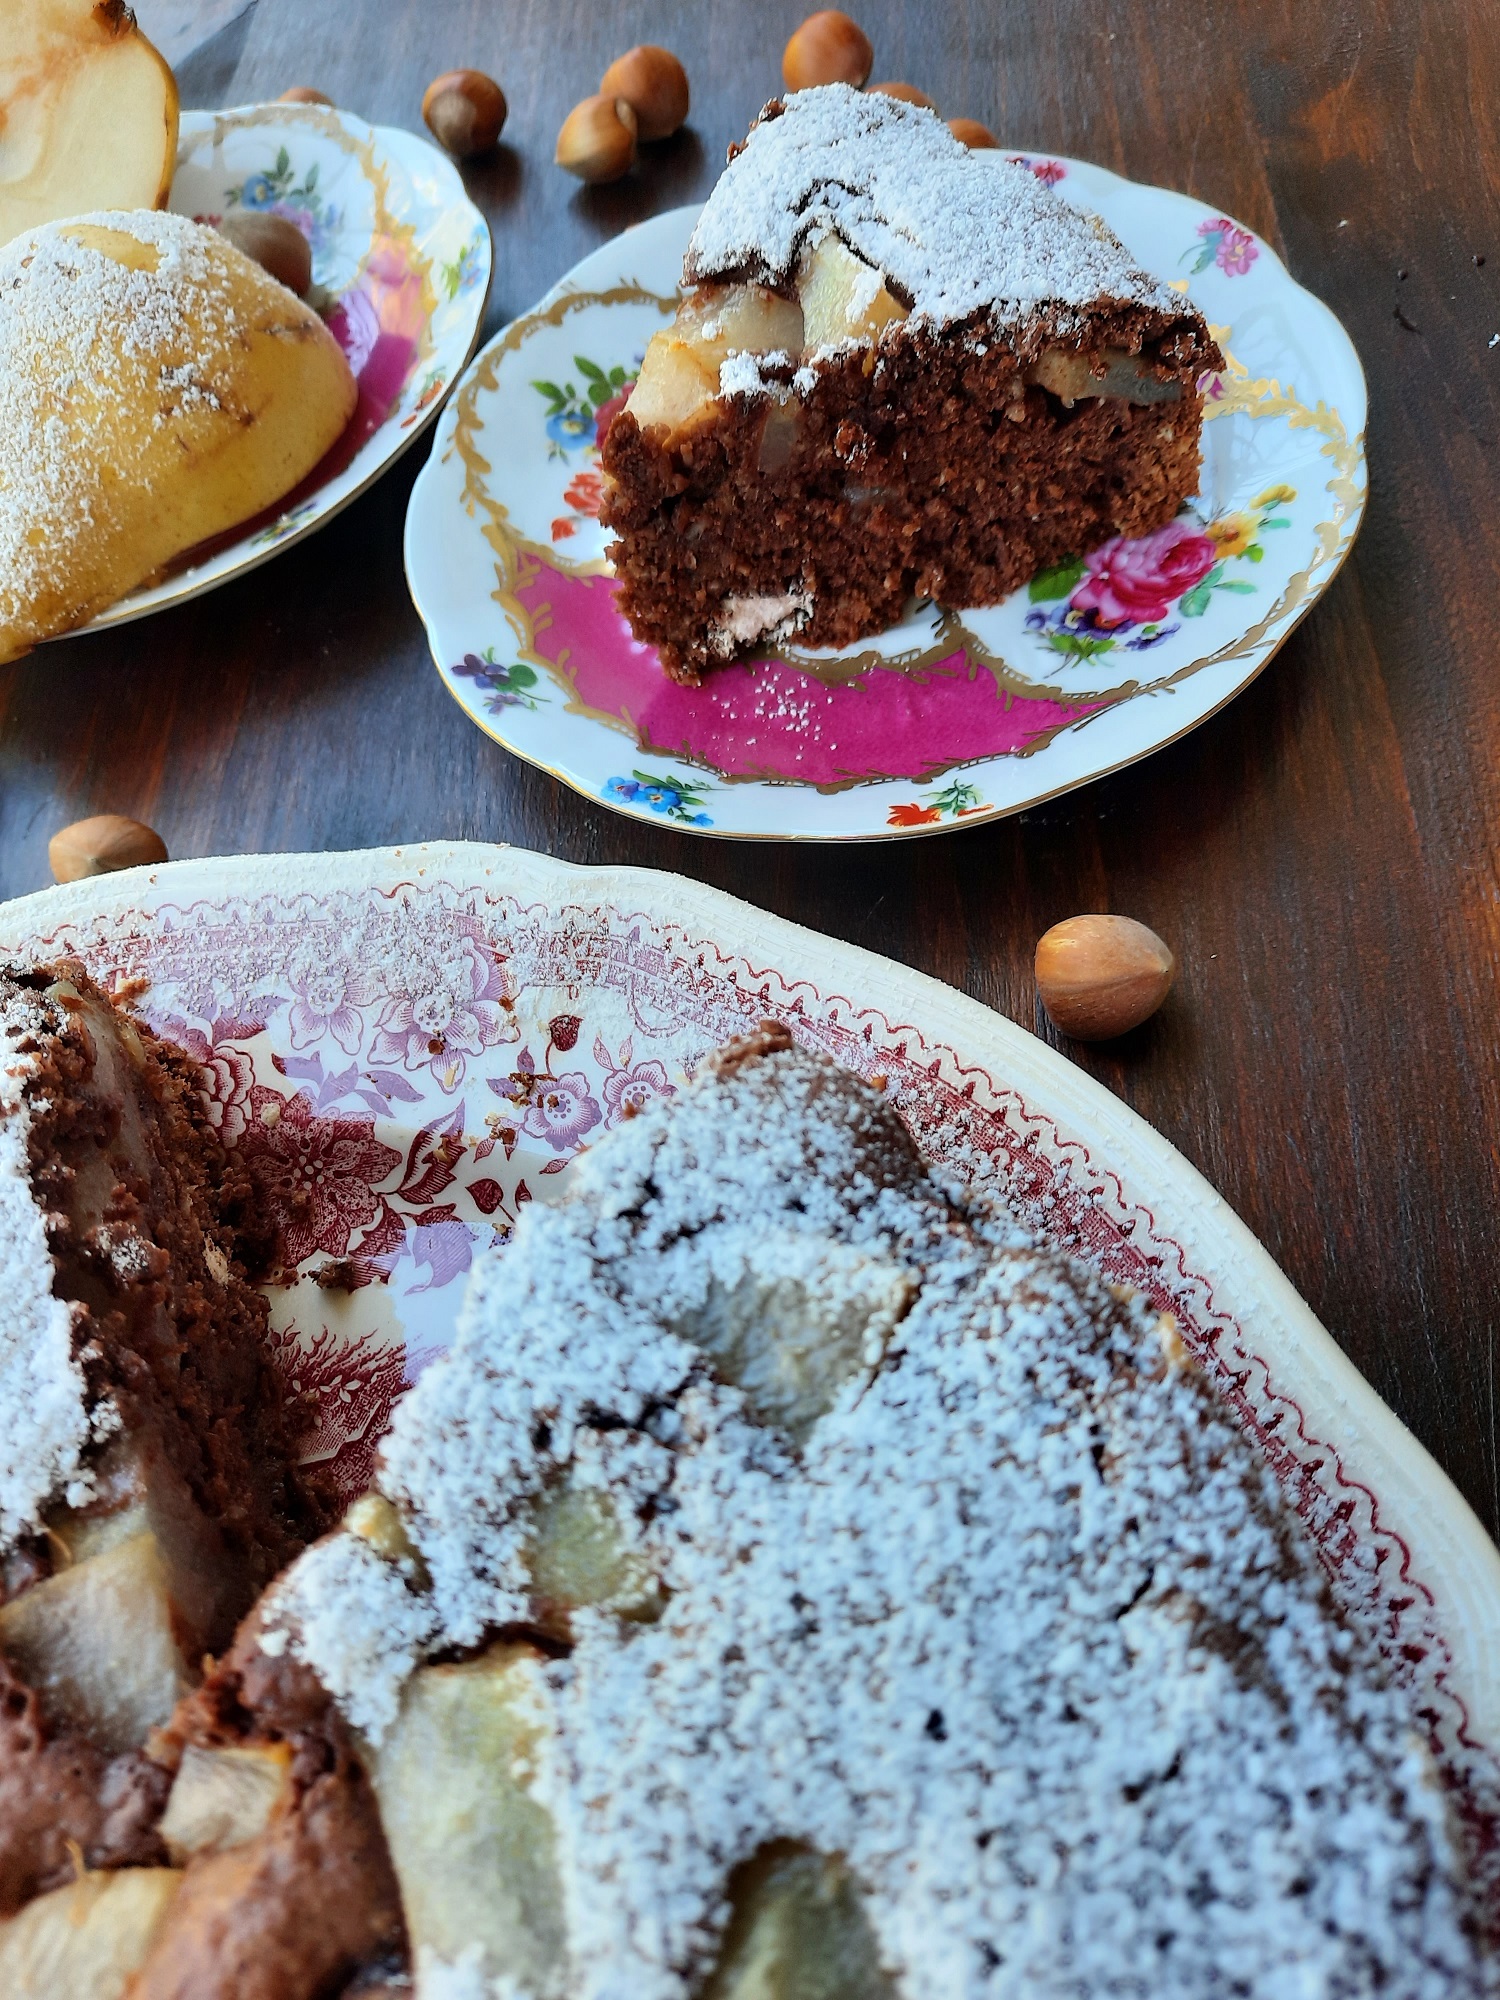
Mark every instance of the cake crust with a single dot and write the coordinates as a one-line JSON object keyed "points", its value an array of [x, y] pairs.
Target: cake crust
{"points": [[311, 1901], [955, 233]]}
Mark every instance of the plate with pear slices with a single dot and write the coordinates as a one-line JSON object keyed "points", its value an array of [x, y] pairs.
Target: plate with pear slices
{"points": [[400, 268], [369, 226]]}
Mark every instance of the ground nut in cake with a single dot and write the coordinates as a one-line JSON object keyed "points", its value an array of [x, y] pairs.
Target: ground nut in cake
{"points": [[795, 1573]]}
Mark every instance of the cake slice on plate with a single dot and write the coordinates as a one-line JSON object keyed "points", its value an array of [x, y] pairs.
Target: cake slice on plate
{"points": [[899, 368]]}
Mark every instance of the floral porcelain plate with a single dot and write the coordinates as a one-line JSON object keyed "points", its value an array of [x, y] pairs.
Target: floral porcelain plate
{"points": [[401, 263], [951, 716], [407, 1046]]}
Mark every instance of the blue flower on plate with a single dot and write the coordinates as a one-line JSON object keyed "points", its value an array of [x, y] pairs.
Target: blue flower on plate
{"points": [[260, 191], [674, 798], [462, 275], [571, 427]]}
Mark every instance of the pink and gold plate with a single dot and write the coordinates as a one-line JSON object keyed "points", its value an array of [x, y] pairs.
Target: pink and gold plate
{"points": [[408, 1046], [951, 717]]}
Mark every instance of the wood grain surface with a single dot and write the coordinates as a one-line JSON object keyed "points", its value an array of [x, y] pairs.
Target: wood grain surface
{"points": [[1322, 855]]}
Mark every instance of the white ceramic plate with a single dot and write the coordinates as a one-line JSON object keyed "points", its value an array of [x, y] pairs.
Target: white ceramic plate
{"points": [[949, 717], [408, 1045], [402, 257]]}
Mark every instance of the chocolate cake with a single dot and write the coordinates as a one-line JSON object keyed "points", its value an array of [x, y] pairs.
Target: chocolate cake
{"points": [[148, 1488], [900, 369], [798, 1579]]}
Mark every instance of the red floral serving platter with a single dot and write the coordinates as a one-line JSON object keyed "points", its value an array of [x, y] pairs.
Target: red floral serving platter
{"points": [[950, 717], [408, 1046]]}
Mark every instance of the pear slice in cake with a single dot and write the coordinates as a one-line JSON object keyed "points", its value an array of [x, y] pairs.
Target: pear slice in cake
{"points": [[159, 388], [88, 113], [85, 1940]]}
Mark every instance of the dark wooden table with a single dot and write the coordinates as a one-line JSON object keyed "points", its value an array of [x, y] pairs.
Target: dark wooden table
{"points": [[1322, 855]]}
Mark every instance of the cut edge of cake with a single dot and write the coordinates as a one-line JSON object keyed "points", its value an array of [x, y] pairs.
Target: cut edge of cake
{"points": [[899, 369], [148, 1478]]}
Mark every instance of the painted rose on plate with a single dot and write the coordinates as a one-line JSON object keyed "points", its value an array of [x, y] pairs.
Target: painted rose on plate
{"points": [[560, 1110], [1127, 593], [448, 1011], [1137, 582], [327, 999], [226, 1073], [629, 1086], [584, 494], [1223, 243]]}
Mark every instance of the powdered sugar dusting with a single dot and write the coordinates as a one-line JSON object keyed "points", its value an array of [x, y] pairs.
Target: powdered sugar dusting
{"points": [[45, 1423], [953, 232], [358, 1620], [740, 373], [73, 324], [1022, 1628]]}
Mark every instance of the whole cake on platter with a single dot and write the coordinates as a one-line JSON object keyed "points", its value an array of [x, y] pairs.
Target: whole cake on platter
{"points": [[797, 1580], [900, 368]]}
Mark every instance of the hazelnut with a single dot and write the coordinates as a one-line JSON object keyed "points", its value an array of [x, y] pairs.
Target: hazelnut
{"points": [[276, 244], [465, 112], [655, 84], [969, 132], [597, 141], [907, 92], [827, 48], [100, 845], [1101, 976], [303, 93]]}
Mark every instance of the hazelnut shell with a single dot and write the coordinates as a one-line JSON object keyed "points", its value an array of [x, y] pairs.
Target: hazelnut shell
{"points": [[271, 241], [100, 845], [827, 48], [969, 132], [654, 83], [1101, 976], [465, 112], [303, 93], [597, 140], [907, 92]]}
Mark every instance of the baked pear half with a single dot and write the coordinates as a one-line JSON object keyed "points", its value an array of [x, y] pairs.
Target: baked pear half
{"points": [[88, 113], [159, 389]]}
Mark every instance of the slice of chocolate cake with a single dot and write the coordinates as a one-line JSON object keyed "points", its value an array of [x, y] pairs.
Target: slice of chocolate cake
{"points": [[147, 1456], [900, 368]]}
